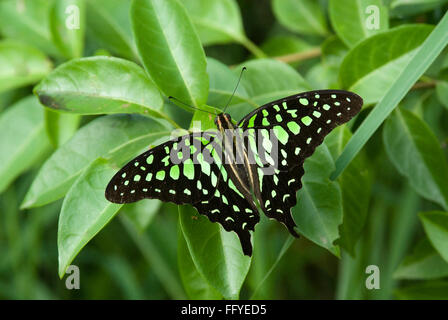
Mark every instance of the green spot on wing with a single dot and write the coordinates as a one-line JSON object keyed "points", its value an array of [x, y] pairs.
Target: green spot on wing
{"points": [[281, 134], [293, 127], [188, 169], [307, 120], [160, 175], [174, 172], [304, 101]]}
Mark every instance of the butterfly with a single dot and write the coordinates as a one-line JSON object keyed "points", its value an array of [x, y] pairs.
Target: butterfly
{"points": [[232, 173]]}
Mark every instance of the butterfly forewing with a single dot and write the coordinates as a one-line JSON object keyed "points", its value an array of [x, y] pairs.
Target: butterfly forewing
{"points": [[188, 170], [172, 171], [294, 126]]}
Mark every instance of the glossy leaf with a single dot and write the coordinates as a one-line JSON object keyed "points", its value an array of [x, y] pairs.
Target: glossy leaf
{"points": [[416, 153], [99, 85], [60, 126], [279, 80], [216, 21], [195, 285], [28, 21], [109, 26], [222, 84], [216, 253], [356, 20], [375, 64], [21, 65], [436, 228], [442, 89], [319, 209], [303, 16], [333, 50], [67, 26], [23, 140], [142, 213], [279, 46], [116, 138], [355, 185], [85, 211], [170, 49], [402, 8], [423, 263], [323, 76]]}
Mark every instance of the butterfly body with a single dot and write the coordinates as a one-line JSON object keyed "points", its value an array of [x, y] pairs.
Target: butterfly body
{"points": [[229, 173]]}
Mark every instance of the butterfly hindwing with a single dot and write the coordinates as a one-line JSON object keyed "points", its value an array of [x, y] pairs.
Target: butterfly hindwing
{"points": [[287, 132]]}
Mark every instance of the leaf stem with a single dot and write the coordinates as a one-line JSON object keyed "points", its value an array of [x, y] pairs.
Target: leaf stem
{"points": [[252, 47], [300, 56]]}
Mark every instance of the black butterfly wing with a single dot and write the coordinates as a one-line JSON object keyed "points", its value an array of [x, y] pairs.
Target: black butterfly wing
{"points": [[294, 126], [187, 170]]}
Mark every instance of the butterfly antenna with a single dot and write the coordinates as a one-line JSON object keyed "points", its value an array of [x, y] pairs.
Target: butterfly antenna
{"points": [[186, 104], [236, 87]]}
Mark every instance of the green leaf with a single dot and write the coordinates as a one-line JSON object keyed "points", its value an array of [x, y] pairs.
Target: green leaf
{"points": [[435, 224], [216, 253], [430, 49], [170, 49], [442, 92], [266, 80], [356, 20], [141, 213], [60, 126], [67, 26], [21, 65], [28, 21], [109, 27], [285, 45], [99, 85], [303, 16], [423, 263], [416, 153], [427, 290], [194, 284], [372, 67], [402, 8], [355, 185], [85, 211], [318, 212], [222, 84], [216, 21], [323, 76], [442, 88], [202, 121], [22, 139], [333, 51], [116, 138]]}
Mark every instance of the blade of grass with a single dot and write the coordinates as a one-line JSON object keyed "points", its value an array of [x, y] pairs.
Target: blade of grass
{"points": [[428, 52]]}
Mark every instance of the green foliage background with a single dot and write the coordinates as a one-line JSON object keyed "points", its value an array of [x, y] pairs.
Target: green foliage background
{"points": [[76, 104]]}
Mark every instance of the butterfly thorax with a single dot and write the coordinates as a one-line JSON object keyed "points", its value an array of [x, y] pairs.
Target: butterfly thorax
{"points": [[242, 172]]}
